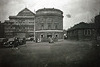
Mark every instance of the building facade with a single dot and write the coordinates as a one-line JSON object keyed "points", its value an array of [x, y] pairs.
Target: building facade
{"points": [[97, 25], [49, 23], [81, 31], [21, 25]]}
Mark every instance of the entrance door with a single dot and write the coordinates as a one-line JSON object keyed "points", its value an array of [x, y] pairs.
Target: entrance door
{"points": [[49, 36]]}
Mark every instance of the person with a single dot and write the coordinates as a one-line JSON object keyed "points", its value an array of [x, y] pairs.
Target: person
{"points": [[16, 42], [24, 41], [50, 40], [36, 40]]}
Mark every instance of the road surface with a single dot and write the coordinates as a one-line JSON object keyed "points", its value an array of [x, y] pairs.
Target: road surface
{"points": [[59, 54]]}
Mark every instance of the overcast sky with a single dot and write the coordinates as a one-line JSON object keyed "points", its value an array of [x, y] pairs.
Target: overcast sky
{"points": [[80, 10]]}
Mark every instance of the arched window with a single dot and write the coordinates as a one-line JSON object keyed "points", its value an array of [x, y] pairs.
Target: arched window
{"points": [[42, 36], [42, 26], [56, 27], [56, 35], [49, 26]]}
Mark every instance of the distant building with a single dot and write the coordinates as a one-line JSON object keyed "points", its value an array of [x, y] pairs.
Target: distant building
{"points": [[21, 25], [49, 23], [1, 30], [81, 31], [97, 25]]}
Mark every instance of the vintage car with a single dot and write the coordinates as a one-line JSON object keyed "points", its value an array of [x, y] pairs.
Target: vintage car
{"points": [[22, 41], [30, 39], [11, 41], [3, 42]]}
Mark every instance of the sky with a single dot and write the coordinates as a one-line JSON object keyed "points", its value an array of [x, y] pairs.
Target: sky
{"points": [[74, 11]]}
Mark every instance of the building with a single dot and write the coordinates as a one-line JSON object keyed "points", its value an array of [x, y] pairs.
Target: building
{"points": [[97, 25], [21, 25], [1, 30], [81, 31], [48, 23]]}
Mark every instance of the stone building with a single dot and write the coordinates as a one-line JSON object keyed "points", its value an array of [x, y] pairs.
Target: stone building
{"points": [[49, 23], [81, 31], [21, 25]]}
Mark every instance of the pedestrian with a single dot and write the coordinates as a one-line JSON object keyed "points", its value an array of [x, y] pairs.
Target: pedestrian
{"points": [[24, 40], [36, 39], [50, 40], [16, 42]]}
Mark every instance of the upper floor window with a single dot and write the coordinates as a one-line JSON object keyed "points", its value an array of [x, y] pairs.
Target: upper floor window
{"points": [[56, 26], [42, 26], [49, 26], [49, 19]]}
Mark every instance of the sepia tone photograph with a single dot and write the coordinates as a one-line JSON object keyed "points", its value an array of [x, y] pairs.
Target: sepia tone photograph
{"points": [[49, 33]]}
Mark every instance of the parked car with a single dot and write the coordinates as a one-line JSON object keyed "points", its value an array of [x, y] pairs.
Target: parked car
{"points": [[11, 41], [1, 41], [30, 39], [4, 42], [22, 41], [16, 42]]}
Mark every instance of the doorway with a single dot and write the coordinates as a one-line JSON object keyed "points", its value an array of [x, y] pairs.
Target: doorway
{"points": [[49, 36]]}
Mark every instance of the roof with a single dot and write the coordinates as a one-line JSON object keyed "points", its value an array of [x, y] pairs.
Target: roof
{"points": [[82, 25], [49, 9], [25, 12]]}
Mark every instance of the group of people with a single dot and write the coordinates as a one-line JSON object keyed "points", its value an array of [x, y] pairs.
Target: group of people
{"points": [[50, 40], [37, 40]]}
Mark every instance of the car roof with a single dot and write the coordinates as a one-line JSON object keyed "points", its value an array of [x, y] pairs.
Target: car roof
{"points": [[11, 39]]}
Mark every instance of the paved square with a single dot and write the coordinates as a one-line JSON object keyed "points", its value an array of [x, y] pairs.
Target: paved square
{"points": [[58, 54]]}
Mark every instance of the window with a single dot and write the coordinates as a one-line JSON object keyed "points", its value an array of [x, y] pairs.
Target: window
{"points": [[49, 26], [42, 36], [56, 35], [49, 19], [87, 32], [56, 27], [42, 26], [49, 36]]}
